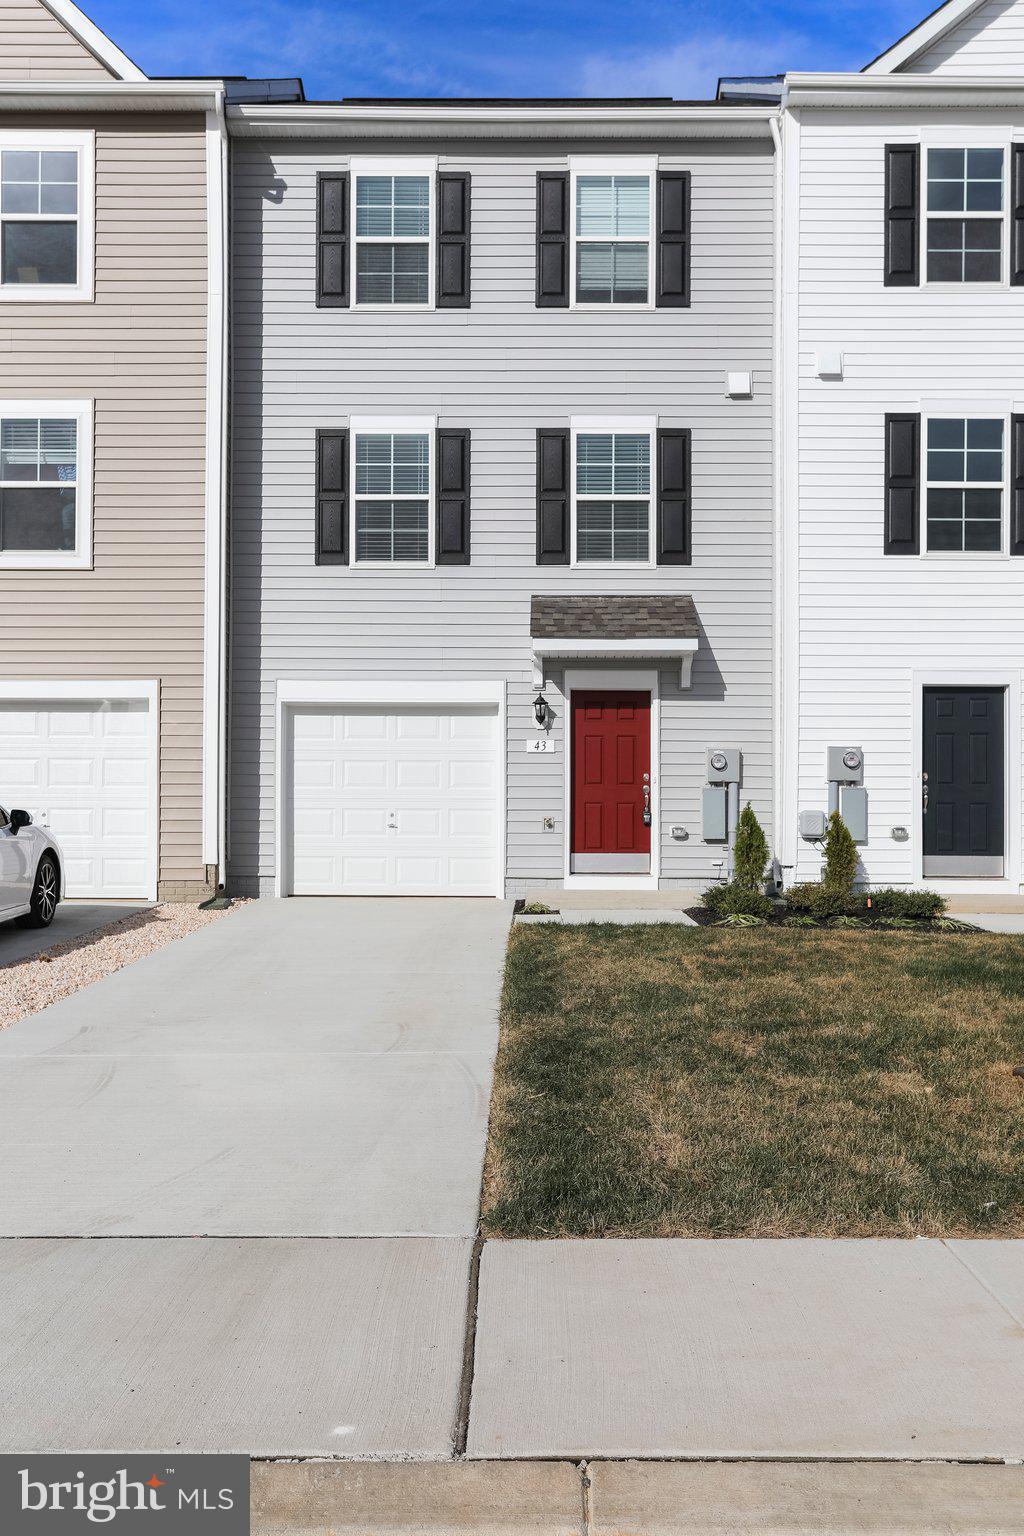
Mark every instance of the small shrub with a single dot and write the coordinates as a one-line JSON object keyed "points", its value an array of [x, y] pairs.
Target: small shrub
{"points": [[954, 925], [741, 920], [801, 920], [840, 857], [823, 901], [735, 900], [846, 922], [538, 909], [750, 851], [896, 903]]}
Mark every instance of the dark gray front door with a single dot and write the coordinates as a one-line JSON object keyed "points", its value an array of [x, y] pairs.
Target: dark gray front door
{"points": [[963, 790]]}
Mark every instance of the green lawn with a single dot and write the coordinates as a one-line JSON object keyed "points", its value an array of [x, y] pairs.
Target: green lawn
{"points": [[666, 1081]]}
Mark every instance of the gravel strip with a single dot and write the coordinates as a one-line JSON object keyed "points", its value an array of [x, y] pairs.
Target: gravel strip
{"points": [[26, 986]]}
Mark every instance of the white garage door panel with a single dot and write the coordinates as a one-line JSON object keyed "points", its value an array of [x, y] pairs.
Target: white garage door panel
{"points": [[83, 769], [402, 801]]}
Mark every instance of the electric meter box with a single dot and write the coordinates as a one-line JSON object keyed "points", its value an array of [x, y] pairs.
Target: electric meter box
{"points": [[724, 765], [853, 808], [845, 765], [714, 813]]}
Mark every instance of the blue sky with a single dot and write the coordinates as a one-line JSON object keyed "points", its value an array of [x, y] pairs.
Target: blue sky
{"points": [[502, 47]]}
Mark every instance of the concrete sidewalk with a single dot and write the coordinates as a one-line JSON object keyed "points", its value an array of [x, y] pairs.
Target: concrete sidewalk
{"points": [[750, 1349]]}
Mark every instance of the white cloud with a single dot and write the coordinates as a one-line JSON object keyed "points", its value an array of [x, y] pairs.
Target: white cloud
{"points": [[691, 69]]}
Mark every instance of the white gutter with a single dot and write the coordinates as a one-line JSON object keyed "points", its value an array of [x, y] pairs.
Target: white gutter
{"points": [[109, 96], [778, 494], [383, 120], [907, 91], [215, 523]]}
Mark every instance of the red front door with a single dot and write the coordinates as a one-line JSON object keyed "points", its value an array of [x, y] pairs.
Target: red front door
{"points": [[611, 766]]}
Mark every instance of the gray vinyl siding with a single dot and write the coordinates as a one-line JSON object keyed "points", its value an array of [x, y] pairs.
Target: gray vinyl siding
{"points": [[139, 353], [34, 45], [501, 368]]}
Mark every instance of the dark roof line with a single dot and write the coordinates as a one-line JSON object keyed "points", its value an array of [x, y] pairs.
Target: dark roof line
{"points": [[583, 102]]}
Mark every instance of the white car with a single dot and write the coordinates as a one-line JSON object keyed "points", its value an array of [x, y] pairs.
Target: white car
{"points": [[30, 871]]}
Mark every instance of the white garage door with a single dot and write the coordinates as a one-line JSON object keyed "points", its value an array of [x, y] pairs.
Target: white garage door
{"points": [[395, 801], [83, 770]]}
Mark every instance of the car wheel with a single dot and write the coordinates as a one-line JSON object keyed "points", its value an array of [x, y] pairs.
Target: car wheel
{"points": [[45, 895]]}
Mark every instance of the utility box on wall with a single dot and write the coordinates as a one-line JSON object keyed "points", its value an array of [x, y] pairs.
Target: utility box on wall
{"points": [[724, 764], [853, 807], [845, 765], [715, 813]]}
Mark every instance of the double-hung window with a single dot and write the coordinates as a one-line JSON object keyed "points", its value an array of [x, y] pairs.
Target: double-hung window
{"points": [[612, 496], [392, 218], [964, 484], [392, 502], [46, 221], [964, 219], [45, 484], [612, 242]]}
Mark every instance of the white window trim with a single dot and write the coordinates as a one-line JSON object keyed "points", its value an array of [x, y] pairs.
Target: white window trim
{"points": [[634, 427], [80, 558], [364, 425], [297, 691], [939, 555], [964, 141], [598, 165], [84, 142], [596, 680], [381, 166]]}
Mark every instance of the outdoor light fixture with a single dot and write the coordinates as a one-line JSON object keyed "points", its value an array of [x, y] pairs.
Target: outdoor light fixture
{"points": [[540, 710]]}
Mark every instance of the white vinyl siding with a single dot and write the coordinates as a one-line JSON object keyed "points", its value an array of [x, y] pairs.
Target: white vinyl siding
{"points": [[988, 42], [870, 626]]}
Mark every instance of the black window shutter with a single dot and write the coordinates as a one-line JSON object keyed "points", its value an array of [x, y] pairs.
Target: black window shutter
{"points": [[902, 485], [552, 239], [453, 216], [1017, 485], [902, 198], [452, 496], [332, 498], [552, 496], [674, 496], [1017, 215], [672, 268], [332, 240]]}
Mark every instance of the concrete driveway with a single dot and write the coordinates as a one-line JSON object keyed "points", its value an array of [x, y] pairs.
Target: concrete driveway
{"points": [[302, 1068], [312, 1070]]}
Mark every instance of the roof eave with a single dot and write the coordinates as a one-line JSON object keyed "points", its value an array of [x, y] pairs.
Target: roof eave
{"points": [[109, 96], [327, 120], [902, 91]]}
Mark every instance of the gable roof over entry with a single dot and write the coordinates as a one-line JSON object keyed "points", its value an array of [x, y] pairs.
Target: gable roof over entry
{"points": [[602, 628]]}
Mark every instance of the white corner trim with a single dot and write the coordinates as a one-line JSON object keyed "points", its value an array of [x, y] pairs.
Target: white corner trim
{"points": [[928, 31], [682, 650], [787, 684], [215, 543], [71, 691], [292, 692], [80, 558], [97, 42], [83, 142]]}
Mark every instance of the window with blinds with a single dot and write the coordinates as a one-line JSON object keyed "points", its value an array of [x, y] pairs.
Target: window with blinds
{"points": [[392, 497], [613, 235], [392, 227], [613, 497], [38, 484]]}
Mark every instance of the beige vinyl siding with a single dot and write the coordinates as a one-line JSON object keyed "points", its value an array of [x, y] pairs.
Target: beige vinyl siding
{"points": [[138, 351], [34, 45], [989, 42], [501, 368]]}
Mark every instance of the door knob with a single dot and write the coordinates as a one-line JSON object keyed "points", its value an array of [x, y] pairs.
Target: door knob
{"points": [[647, 801], [924, 792]]}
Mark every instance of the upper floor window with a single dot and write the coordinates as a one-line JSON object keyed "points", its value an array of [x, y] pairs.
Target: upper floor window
{"points": [[392, 497], [612, 236], [45, 216], [612, 497], [393, 215], [44, 485], [964, 216], [964, 484]]}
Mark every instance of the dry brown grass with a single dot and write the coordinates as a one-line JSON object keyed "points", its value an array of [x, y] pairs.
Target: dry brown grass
{"points": [[678, 1082]]}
